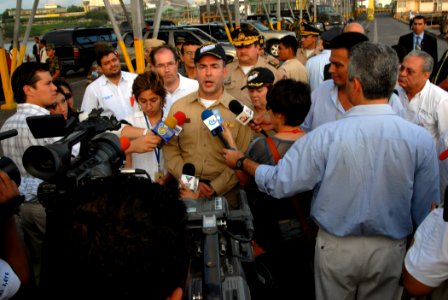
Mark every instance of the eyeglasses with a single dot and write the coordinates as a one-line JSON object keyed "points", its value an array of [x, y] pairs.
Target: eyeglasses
{"points": [[167, 65], [148, 101]]}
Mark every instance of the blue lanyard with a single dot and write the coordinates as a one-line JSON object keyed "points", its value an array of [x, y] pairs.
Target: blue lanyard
{"points": [[156, 150]]}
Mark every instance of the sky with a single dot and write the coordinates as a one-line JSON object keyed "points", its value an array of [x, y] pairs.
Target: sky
{"points": [[5, 4]]}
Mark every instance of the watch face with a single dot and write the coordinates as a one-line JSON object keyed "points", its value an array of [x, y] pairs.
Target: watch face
{"points": [[239, 162]]}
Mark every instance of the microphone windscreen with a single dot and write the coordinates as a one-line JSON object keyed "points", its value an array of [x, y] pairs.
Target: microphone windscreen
{"points": [[124, 143], [188, 169], [171, 122], [443, 155], [235, 107], [181, 117], [206, 114]]}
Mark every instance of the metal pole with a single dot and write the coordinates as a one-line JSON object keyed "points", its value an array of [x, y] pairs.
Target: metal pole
{"points": [[27, 33], [291, 10], [16, 32], [279, 15], [157, 18], [6, 83], [137, 27], [267, 15], [237, 13], [121, 44], [223, 20], [126, 14]]}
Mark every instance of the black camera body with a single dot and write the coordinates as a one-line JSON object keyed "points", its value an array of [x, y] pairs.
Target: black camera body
{"points": [[223, 259], [100, 155]]}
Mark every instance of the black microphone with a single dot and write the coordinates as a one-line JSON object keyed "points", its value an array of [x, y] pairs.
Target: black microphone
{"points": [[188, 178], [8, 134], [211, 121], [243, 114]]}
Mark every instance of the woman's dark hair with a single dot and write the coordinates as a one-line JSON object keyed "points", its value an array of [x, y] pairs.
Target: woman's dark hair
{"points": [[292, 99], [149, 81], [59, 83]]}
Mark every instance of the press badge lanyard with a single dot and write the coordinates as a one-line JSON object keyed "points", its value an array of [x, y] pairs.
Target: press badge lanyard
{"points": [[156, 150]]}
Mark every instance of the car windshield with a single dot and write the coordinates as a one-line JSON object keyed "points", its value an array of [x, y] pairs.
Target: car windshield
{"points": [[325, 9], [260, 26]]}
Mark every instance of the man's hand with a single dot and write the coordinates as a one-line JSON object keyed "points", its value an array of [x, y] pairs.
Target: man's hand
{"points": [[228, 136], [144, 143], [8, 188], [231, 156], [205, 191], [186, 193], [261, 121]]}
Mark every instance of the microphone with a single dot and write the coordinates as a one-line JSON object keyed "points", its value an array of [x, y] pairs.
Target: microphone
{"points": [[212, 122], [188, 178], [124, 143], [180, 117], [443, 155], [165, 129], [8, 134], [244, 114]]}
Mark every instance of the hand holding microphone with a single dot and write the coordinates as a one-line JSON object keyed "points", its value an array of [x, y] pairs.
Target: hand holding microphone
{"points": [[212, 122]]}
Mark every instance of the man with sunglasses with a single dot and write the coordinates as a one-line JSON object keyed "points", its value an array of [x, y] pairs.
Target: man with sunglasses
{"points": [[247, 46]]}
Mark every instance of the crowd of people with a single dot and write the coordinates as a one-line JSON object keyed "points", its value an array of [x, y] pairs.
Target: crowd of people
{"points": [[339, 162]]}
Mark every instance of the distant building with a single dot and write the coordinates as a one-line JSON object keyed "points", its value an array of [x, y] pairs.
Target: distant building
{"points": [[100, 3], [423, 6]]}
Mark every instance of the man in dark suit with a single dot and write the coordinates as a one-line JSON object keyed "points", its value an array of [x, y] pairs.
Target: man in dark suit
{"points": [[418, 40]]}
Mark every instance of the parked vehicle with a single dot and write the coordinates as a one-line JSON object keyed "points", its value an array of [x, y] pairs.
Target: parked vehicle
{"points": [[327, 15], [75, 46], [170, 35], [271, 37], [214, 29], [149, 24]]}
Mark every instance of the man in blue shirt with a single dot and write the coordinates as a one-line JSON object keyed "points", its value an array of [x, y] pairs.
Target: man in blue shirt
{"points": [[375, 176]]}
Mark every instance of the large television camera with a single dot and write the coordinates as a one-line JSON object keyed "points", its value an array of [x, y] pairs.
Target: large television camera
{"points": [[99, 155], [223, 262]]}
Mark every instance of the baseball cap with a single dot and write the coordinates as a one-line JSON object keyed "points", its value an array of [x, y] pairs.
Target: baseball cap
{"points": [[244, 37], [258, 77], [210, 49]]}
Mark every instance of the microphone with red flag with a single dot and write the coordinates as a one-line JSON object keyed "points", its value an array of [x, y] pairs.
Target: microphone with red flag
{"points": [[180, 117]]}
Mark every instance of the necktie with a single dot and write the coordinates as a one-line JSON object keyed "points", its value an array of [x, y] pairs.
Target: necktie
{"points": [[418, 45]]}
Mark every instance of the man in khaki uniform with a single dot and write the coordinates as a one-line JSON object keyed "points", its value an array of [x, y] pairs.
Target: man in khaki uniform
{"points": [[291, 67], [247, 47], [310, 43], [196, 144]]}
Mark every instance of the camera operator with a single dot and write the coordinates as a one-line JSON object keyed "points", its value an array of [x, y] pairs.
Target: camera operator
{"points": [[123, 238], [33, 91], [425, 265], [14, 267]]}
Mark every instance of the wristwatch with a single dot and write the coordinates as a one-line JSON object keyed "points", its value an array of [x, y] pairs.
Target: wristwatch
{"points": [[239, 162]]}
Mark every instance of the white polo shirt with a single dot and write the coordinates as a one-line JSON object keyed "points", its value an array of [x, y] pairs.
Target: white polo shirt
{"points": [[115, 99], [186, 86]]}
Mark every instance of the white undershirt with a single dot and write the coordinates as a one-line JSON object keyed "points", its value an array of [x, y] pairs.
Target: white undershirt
{"points": [[247, 69], [207, 103]]}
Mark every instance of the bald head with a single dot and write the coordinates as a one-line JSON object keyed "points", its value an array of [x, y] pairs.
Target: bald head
{"points": [[354, 27]]}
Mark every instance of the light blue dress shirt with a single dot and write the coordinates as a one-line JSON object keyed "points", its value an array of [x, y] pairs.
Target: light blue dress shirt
{"points": [[375, 173], [325, 106]]}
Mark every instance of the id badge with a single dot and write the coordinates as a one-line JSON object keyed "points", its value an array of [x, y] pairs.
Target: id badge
{"points": [[158, 175]]}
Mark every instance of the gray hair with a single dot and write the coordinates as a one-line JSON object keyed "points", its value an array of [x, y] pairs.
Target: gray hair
{"points": [[378, 73], [428, 61]]}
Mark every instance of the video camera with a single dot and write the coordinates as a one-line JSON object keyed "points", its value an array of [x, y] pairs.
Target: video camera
{"points": [[100, 154], [224, 259]]}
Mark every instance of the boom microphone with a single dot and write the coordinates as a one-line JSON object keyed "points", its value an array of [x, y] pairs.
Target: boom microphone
{"points": [[244, 114], [211, 121], [188, 178]]}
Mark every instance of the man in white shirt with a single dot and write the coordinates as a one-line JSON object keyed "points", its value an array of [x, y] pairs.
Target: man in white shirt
{"points": [[165, 61], [113, 90], [425, 103]]}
